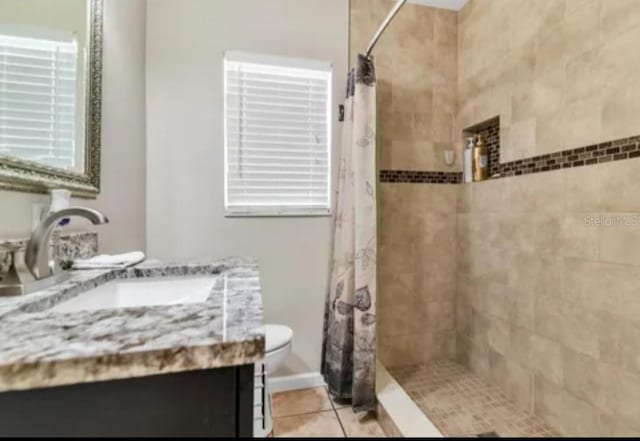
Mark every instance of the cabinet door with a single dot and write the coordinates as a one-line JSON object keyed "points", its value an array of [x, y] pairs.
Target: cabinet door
{"points": [[197, 403]]}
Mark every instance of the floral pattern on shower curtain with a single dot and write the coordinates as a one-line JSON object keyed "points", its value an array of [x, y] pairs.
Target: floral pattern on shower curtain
{"points": [[349, 357]]}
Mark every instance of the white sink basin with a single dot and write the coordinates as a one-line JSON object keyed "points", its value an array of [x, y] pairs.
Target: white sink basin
{"points": [[129, 293]]}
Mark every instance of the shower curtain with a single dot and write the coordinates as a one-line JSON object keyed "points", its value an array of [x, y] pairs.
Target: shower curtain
{"points": [[349, 343]]}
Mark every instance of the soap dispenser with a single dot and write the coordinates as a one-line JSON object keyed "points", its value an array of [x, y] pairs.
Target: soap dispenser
{"points": [[480, 160], [468, 160]]}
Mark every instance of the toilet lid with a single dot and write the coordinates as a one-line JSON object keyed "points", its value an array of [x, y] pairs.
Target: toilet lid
{"points": [[277, 336]]}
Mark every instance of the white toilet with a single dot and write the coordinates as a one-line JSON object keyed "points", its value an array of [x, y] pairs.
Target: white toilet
{"points": [[278, 340]]}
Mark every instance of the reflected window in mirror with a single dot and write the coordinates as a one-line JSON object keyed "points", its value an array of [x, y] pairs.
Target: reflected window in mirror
{"points": [[41, 114], [50, 95]]}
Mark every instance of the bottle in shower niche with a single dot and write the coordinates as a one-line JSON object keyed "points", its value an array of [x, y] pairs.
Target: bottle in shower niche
{"points": [[480, 160], [468, 160]]}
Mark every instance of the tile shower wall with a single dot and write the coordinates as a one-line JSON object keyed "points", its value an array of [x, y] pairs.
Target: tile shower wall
{"points": [[416, 71], [416, 273], [549, 264], [547, 302], [560, 74]]}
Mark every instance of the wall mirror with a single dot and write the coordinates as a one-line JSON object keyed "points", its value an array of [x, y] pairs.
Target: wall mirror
{"points": [[50, 95]]}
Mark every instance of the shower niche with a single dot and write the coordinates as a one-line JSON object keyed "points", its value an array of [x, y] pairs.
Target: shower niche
{"points": [[489, 130]]}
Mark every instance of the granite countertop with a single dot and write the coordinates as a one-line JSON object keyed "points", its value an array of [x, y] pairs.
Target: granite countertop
{"points": [[40, 348]]}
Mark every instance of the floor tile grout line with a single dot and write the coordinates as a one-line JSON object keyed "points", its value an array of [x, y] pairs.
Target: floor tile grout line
{"points": [[304, 413], [335, 411], [344, 432]]}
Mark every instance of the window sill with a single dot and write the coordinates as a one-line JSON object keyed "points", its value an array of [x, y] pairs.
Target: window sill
{"points": [[279, 214]]}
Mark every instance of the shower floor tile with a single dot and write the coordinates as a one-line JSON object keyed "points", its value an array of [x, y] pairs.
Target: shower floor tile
{"points": [[459, 403]]}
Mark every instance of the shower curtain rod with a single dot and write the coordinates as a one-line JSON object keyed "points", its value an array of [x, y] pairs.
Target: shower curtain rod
{"points": [[383, 26]]}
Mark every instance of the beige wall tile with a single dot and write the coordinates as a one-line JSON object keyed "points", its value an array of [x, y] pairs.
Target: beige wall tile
{"points": [[604, 287], [619, 59], [621, 111], [522, 307], [549, 90], [546, 359], [551, 46], [578, 238], [405, 350], [582, 122], [585, 76], [620, 243], [619, 16], [583, 189], [550, 135], [536, 192], [523, 138], [580, 418], [573, 416], [464, 198], [539, 273], [626, 404], [591, 380], [521, 102], [497, 301], [518, 385], [478, 359], [520, 345], [498, 336], [571, 324], [619, 186], [548, 402], [620, 342], [488, 196]]}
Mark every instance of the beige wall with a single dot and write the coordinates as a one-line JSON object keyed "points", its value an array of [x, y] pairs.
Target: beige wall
{"points": [[560, 73], [123, 139], [185, 44], [416, 73]]}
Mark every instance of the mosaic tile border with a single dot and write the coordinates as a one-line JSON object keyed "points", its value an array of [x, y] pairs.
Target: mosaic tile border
{"points": [[491, 136], [617, 150], [420, 177]]}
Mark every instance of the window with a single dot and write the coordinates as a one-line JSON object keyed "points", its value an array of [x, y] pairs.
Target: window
{"points": [[38, 98], [277, 135]]}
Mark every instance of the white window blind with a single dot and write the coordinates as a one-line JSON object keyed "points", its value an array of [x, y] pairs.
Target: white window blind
{"points": [[38, 99], [277, 135]]}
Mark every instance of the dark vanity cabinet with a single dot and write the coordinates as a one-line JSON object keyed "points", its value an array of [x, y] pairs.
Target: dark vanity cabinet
{"points": [[203, 403]]}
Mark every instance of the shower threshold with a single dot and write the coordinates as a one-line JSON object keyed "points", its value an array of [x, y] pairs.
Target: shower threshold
{"points": [[460, 404]]}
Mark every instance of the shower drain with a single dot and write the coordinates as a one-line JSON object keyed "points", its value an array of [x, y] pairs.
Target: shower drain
{"points": [[488, 435]]}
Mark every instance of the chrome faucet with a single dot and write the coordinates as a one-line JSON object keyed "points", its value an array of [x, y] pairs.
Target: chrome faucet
{"points": [[38, 270], [37, 257]]}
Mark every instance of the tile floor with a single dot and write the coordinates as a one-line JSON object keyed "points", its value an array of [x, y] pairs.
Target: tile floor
{"points": [[460, 404], [312, 413]]}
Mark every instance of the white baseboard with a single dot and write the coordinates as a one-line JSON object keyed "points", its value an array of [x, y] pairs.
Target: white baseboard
{"points": [[295, 382]]}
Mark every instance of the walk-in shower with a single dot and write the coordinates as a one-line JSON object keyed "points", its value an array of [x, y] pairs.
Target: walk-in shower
{"points": [[509, 306]]}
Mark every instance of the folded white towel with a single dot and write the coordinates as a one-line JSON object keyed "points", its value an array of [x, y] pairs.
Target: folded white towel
{"points": [[107, 261]]}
